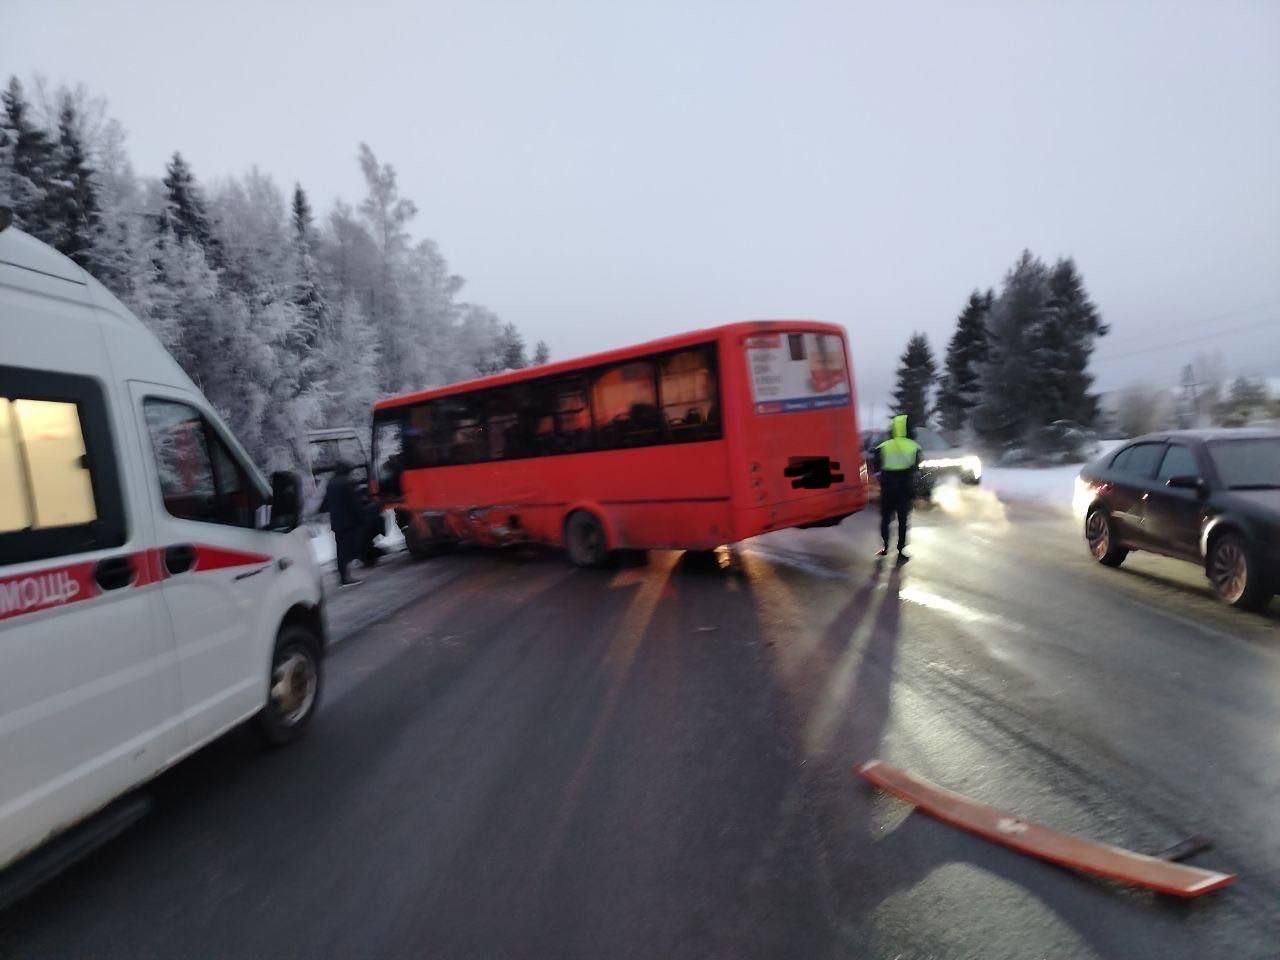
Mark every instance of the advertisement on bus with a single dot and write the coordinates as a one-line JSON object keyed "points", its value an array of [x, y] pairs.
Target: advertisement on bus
{"points": [[791, 372]]}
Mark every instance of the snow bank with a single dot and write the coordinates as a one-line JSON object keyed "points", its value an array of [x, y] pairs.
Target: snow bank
{"points": [[1049, 486], [323, 547], [325, 550]]}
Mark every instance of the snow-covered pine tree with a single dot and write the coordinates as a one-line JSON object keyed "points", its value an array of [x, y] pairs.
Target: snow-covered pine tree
{"points": [[261, 307], [511, 346], [113, 256], [916, 375], [960, 388], [480, 341], [350, 349], [260, 276], [184, 212], [432, 316], [71, 200], [25, 158], [308, 289], [1009, 404], [541, 353], [387, 215]]}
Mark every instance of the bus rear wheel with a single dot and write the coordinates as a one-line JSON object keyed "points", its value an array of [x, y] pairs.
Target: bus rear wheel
{"points": [[585, 540]]}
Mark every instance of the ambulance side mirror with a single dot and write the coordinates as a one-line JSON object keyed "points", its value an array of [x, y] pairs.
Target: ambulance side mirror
{"points": [[286, 500]]}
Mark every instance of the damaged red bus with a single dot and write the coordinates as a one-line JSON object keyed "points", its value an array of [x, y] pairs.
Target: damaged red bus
{"points": [[688, 442]]}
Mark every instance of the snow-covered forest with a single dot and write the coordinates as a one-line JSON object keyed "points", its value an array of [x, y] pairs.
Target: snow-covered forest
{"points": [[286, 317]]}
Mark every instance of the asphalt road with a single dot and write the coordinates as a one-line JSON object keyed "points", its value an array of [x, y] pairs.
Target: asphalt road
{"points": [[517, 759]]}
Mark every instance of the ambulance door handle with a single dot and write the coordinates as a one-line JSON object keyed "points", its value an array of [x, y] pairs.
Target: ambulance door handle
{"points": [[114, 572], [179, 558]]}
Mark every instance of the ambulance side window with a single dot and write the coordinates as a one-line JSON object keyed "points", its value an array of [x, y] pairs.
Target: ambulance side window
{"points": [[59, 491], [200, 479]]}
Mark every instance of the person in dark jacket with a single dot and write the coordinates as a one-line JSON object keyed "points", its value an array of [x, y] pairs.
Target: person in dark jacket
{"points": [[897, 461], [346, 518]]}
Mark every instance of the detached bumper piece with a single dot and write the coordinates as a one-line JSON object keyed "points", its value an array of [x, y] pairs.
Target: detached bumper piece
{"points": [[1064, 849]]}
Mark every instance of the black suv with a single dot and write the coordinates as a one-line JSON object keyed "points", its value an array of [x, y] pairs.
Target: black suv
{"points": [[1208, 496]]}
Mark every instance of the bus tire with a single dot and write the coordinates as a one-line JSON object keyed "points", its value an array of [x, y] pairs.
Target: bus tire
{"points": [[293, 686], [585, 540], [419, 548]]}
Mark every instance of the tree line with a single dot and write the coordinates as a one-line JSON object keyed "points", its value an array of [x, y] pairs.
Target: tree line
{"points": [[285, 321], [1016, 362], [1204, 397]]}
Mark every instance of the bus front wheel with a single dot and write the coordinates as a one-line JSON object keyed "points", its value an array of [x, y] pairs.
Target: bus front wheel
{"points": [[584, 537]]}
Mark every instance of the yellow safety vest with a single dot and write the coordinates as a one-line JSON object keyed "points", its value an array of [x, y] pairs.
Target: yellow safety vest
{"points": [[899, 452]]}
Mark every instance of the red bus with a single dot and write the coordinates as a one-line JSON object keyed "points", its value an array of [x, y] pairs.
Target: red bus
{"points": [[688, 442]]}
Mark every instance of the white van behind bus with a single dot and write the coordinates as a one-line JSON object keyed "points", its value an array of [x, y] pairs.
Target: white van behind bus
{"points": [[154, 591]]}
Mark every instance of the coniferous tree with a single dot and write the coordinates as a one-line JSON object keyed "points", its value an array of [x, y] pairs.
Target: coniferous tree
{"points": [[1010, 402], [916, 375], [960, 386], [184, 213], [71, 201], [26, 153], [308, 291], [541, 353], [511, 346], [284, 324], [1072, 324]]}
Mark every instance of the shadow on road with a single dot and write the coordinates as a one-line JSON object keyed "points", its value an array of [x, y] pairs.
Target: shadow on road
{"points": [[874, 869]]}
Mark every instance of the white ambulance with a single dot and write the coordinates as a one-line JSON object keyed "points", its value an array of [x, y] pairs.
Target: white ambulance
{"points": [[154, 592]]}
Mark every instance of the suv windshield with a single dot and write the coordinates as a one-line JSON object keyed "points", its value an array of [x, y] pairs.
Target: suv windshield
{"points": [[1248, 464], [929, 440]]}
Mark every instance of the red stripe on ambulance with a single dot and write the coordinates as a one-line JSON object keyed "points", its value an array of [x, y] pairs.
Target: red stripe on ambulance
{"points": [[217, 558], [32, 592], [61, 586]]}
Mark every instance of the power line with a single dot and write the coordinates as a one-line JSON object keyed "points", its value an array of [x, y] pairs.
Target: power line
{"points": [[1168, 344], [1227, 315]]}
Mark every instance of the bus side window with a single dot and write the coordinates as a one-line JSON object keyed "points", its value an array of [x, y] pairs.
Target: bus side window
{"points": [[414, 440], [573, 418], [688, 391], [625, 403], [502, 410], [538, 420], [459, 434]]}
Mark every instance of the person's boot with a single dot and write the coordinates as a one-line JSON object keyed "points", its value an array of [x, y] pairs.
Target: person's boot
{"points": [[883, 551], [902, 555]]}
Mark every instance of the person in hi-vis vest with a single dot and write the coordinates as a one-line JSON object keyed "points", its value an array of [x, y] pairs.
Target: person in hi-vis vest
{"points": [[896, 461]]}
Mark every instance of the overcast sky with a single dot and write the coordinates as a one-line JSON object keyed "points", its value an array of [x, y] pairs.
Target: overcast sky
{"points": [[605, 172]]}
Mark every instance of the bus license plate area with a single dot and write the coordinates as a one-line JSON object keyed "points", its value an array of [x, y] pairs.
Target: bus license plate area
{"points": [[812, 473]]}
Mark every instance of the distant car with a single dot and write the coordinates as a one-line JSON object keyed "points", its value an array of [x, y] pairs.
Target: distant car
{"points": [[940, 460], [1208, 496]]}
